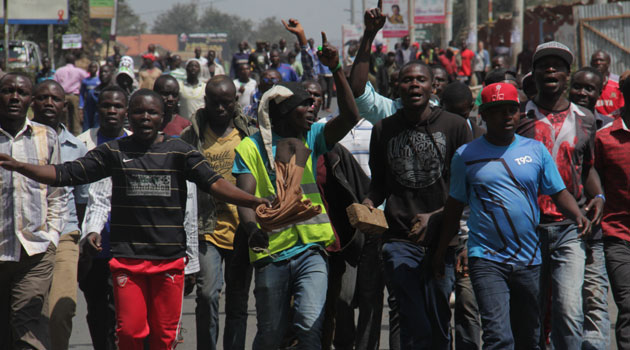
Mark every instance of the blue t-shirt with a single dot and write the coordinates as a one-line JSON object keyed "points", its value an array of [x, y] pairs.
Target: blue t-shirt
{"points": [[501, 184], [316, 141], [287, 72]]}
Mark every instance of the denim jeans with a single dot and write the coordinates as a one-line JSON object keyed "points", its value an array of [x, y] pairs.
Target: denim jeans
{"points": [[351, 287], [209, 284], [305, 277], [618, 267], [562, 274], [508, 299], [238, 278], [423, 301], [595, 295], [467, 321]]}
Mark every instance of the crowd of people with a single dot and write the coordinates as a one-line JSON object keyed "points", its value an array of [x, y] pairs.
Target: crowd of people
{"points": [[140, 188]]}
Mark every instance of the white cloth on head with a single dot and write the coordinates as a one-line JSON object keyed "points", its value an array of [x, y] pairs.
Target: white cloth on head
{"points": [[277, 93]]}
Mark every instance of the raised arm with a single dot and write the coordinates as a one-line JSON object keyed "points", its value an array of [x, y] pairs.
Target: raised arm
{"points": [[308, 61], [348, 116], [374, 20]]}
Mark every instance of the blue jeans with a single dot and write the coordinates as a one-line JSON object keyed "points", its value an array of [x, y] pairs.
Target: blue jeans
{"points": [[209, 284], [508, 297], [595, 295], [305, 277], [423, 302], [562, 273]]}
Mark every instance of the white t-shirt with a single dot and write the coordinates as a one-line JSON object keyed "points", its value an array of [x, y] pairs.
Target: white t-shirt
{"points": [[245, 98], [190, 98]]}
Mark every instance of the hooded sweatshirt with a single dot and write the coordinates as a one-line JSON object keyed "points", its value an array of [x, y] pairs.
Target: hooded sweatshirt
{"points": [[410, 165]]}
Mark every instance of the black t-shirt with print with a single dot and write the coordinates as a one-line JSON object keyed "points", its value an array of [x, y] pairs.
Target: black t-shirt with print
{"points": [[410, 165]]}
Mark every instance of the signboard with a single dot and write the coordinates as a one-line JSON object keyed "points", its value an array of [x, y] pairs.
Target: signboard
{"points": [[102, 9], [70, 41], [421, 33], [355, 32], [206, 41], [396, 25], [430, 11], [36, 12]]}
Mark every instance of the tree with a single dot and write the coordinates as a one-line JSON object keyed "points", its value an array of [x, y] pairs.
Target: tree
{"points": [[181, 18], [237, 28], [271, 29], [127, 21]]}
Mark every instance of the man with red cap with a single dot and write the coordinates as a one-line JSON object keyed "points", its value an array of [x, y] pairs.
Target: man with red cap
{"points": [[500, 176], [148, 72]]}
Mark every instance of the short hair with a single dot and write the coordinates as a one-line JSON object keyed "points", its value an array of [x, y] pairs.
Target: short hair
{"points": [[497, 76], [455, 93], [114, 88], [606, 55], [163, 79], [16, 74], [591, 70], [416, 63], [439, 67], [48, 82], [147, 93], [308, 82], [219, 80]]}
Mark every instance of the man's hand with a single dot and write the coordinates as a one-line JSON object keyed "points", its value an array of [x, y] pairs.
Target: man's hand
{"points": [[595, 210], [7, 162], [189, 283], [374, 19], [293, 26], [368, 203], [328, 55], [93, 243], [262, 201], [419, 226], [584, 227], [461, 265], [241, 89]]}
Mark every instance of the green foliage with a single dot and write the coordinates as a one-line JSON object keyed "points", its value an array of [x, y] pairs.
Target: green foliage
{"points": [[181, 18], [128, 22]]}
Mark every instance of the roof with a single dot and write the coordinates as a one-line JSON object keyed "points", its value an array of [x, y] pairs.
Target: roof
{"points": [[138, 44]]}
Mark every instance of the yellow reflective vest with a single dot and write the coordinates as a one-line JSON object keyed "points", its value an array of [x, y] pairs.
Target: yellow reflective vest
{"points": [[313, 230]]}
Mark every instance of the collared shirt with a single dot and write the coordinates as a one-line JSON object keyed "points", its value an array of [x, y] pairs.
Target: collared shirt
{"points": [[70, 78], [612, 161], [32, 214], [70, 149]]}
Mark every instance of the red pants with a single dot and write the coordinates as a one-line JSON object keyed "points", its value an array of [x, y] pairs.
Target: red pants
{"points": [[148, 296]]}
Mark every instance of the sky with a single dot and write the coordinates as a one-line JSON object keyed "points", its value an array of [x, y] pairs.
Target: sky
{"points": [[315, 15]]}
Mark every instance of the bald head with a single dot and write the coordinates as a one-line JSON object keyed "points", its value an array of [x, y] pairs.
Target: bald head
{"points": [[220, 83], [220, 102]]}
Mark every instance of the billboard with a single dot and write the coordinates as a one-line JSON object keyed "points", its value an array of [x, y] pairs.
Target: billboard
{"points": [[36, 12], [430, 11], [396, 25], [102, 9]]}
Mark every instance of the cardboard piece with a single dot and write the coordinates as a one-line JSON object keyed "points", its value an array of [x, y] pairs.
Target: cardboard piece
{"points": [[366, 220]]}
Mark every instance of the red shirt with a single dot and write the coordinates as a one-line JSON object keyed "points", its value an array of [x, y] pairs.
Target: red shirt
{"points": [[611, 98], [449, 65], [176, 126], [612, 161], [569, 136], [467, 57]]}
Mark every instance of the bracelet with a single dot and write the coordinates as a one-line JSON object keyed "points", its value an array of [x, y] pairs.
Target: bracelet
{"points": [[601, 196], [337, 68]]}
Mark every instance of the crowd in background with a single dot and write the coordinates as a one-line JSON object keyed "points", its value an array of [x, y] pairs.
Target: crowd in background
{"points": [[505, 189]]}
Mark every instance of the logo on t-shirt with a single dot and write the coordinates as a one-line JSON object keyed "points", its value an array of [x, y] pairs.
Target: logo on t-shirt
{"points": [[148, 185], [417, 160], [523, 160]]}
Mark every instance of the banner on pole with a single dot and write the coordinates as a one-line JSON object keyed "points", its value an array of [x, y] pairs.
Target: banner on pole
{"points": [[36, 12], [396, 25], [430, 11], [70, 41], [351, 32], [102, 9]]}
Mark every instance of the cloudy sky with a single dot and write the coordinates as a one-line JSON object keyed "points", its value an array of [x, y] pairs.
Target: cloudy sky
{"points": [[315, 15]]}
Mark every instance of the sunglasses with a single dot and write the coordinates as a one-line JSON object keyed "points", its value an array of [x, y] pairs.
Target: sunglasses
{"points": [[270, 81]]}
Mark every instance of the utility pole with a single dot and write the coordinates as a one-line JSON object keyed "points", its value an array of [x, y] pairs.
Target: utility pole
{"points": [[51, 53], [364, 6], [352, 11], [447, 34], [6, 34], [412, 27], [472, 25], [516, 37]]}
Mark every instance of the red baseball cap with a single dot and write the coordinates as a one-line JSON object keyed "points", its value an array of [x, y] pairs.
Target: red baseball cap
{"points": [[498, 94]]}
